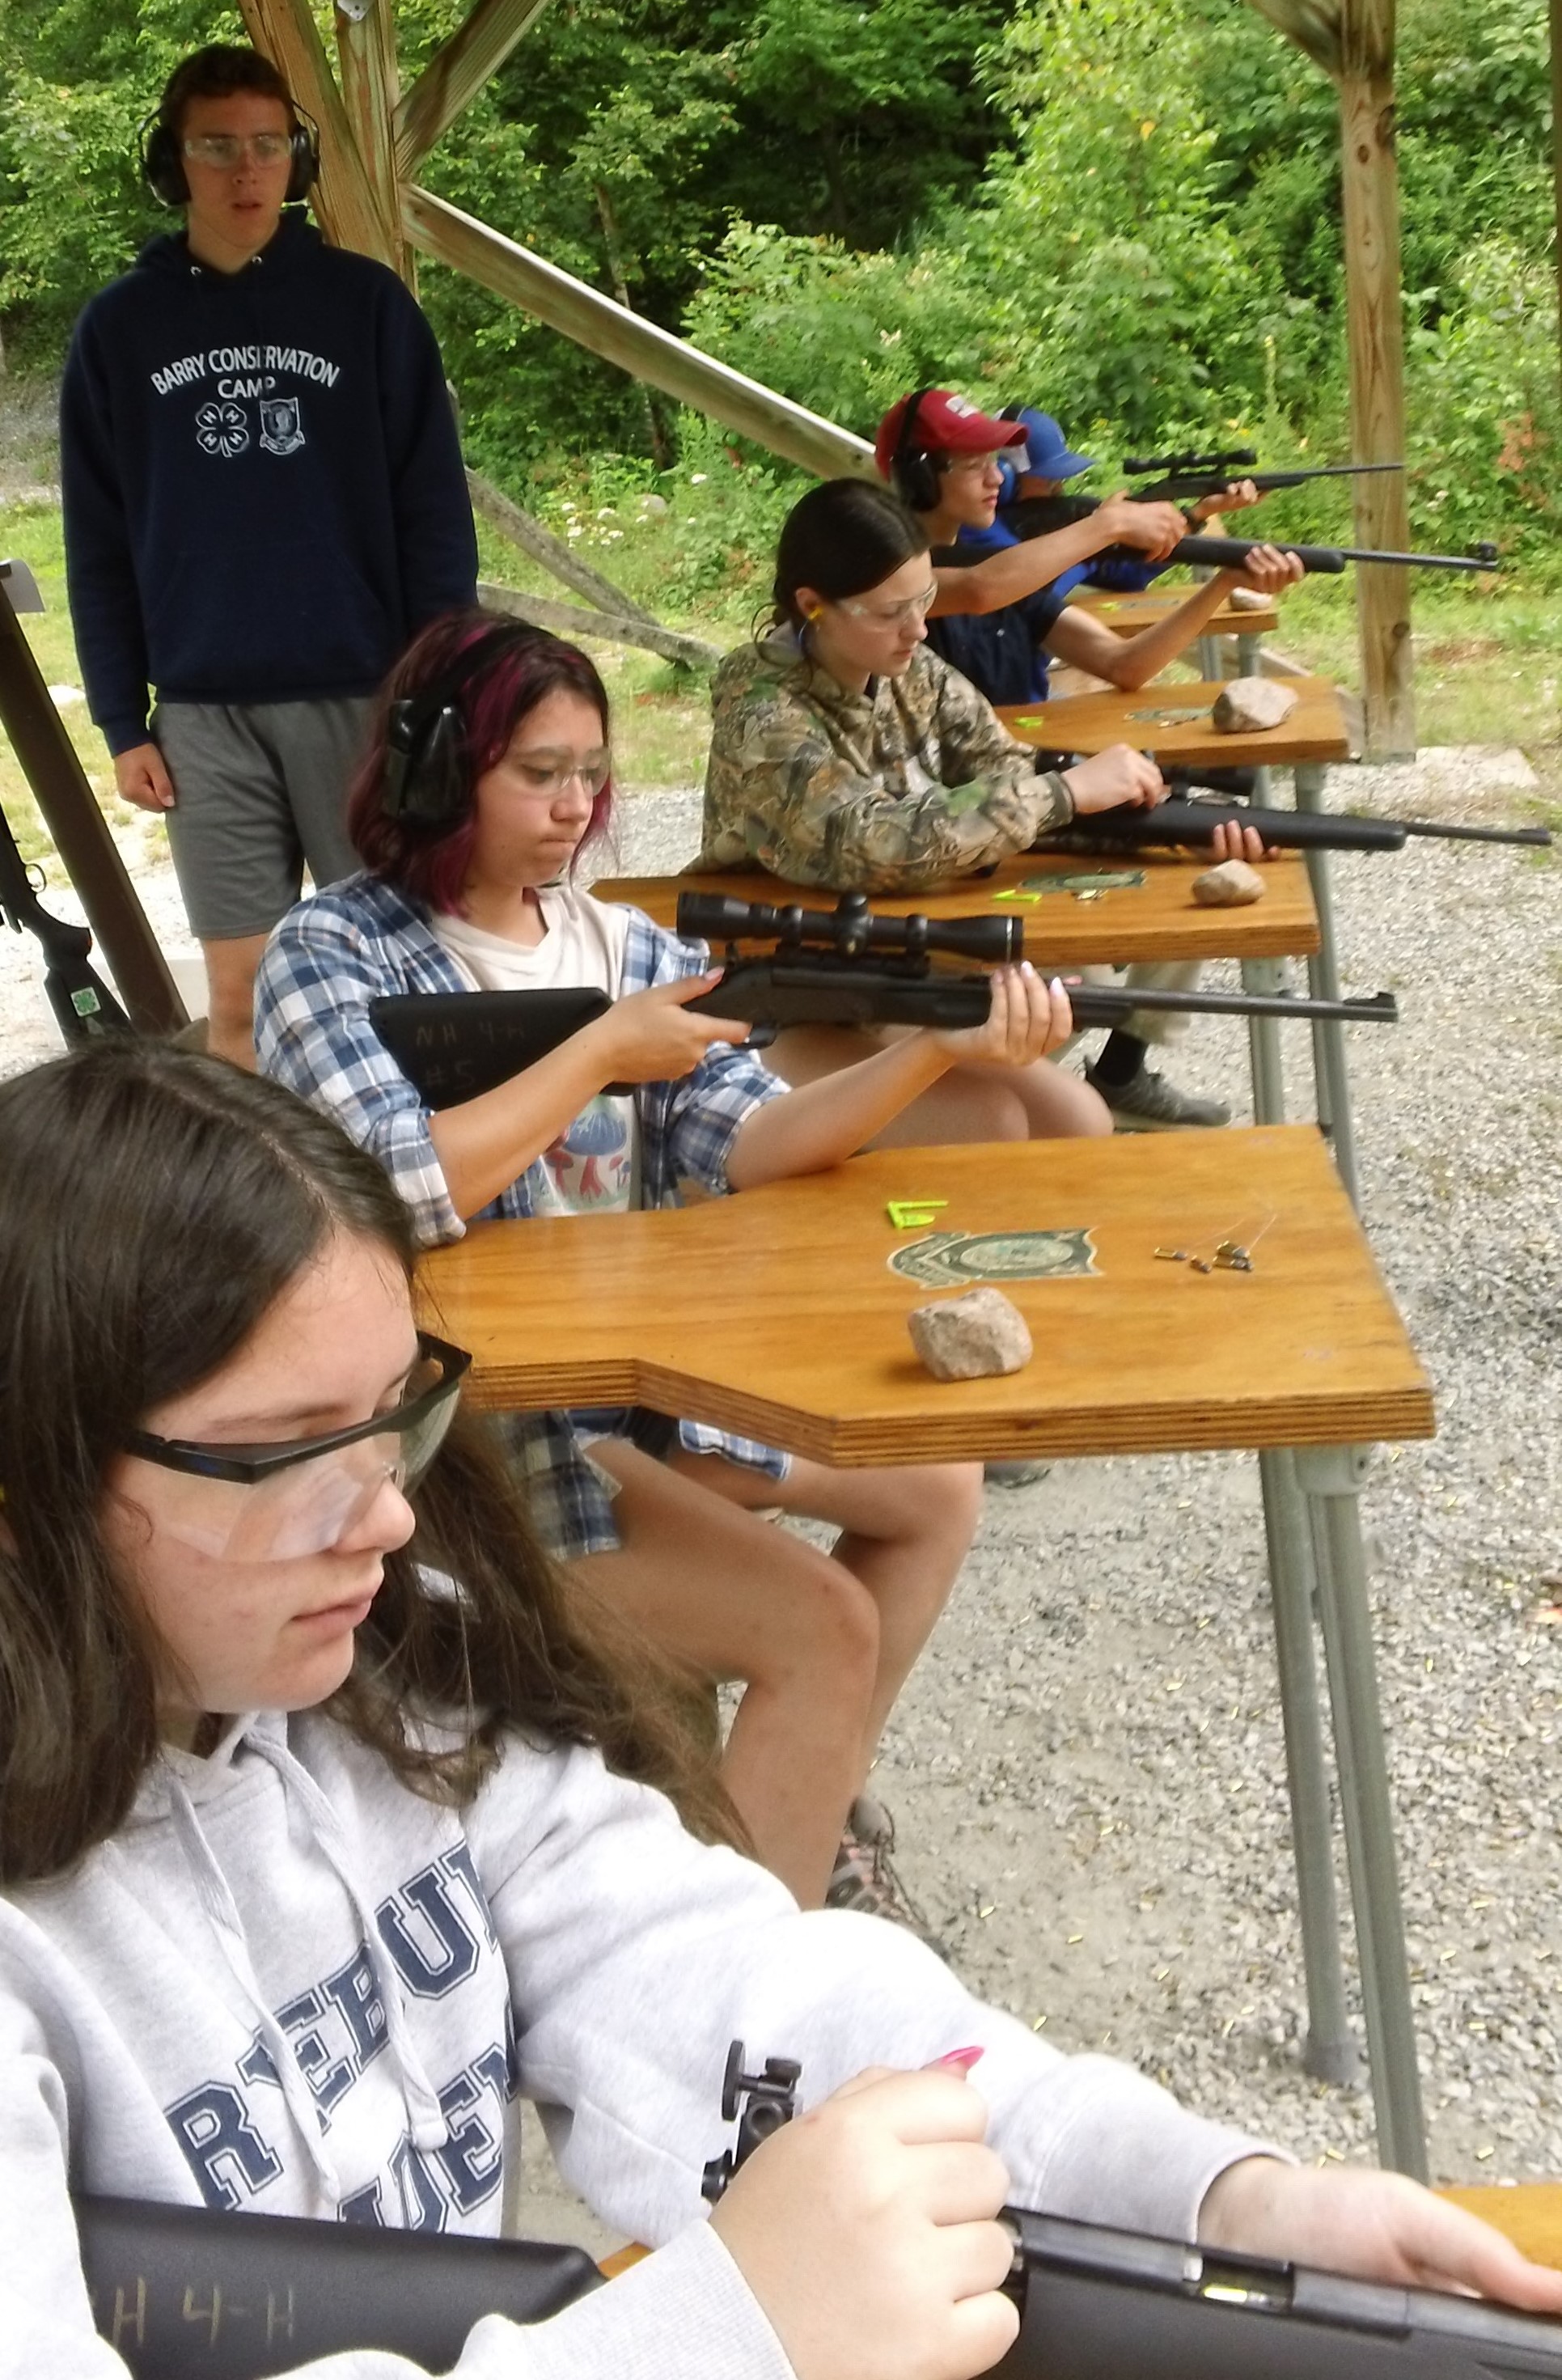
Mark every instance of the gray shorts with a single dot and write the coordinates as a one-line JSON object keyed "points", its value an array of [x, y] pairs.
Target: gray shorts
{"points": [[260, 788]]}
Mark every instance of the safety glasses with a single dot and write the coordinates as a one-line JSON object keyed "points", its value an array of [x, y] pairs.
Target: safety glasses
{"points": [[301, 1495]]}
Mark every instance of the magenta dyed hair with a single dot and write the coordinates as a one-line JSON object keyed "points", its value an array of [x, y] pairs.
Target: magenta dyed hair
{"points": [[495, 670]]}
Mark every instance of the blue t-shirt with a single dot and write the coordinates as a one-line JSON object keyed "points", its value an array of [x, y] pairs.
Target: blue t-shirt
{"points": [[1000, 652]]}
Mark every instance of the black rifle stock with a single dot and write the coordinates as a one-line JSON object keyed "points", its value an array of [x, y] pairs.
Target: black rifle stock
{"points": [[187, 2294], [84, 1007], [1194, 822], [1041, 515]]}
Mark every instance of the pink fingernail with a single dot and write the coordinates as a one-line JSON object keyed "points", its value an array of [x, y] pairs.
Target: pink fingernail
{"points": [[963, 2058]]}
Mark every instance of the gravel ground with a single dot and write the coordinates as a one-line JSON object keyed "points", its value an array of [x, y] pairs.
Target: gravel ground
{"points": [[1088, 1777]]}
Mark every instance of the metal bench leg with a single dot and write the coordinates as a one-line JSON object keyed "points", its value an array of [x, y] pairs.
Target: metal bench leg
{"points": [[1332, 1478], [1264, 975], [1329, 1039], [1331, 2052]]}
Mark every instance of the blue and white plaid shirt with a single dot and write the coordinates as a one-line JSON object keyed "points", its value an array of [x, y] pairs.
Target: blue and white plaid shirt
{"points": [[326, 962]]}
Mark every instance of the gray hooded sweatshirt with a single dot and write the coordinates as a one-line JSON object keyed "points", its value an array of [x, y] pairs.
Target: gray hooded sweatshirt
{"points": [[290, 1985]]}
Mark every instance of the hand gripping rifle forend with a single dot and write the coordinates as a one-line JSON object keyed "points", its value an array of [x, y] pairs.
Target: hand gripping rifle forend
{"points": [[1100, 2304]]}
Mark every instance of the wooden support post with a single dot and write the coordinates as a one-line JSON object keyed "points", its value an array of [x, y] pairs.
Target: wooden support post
{"points": [[1375, 326], [635, 346], [88, 852], [557, 558], [343, 197], [457, 73], [366, 52]]}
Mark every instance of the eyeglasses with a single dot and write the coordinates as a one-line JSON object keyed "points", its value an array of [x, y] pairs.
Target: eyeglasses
{"points": [[226, 150], [972, 466], [547, 775], [301, 1495], [894, 615]]}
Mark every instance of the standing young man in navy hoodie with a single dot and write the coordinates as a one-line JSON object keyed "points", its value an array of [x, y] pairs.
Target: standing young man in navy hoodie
{"points": [[263, 502]]}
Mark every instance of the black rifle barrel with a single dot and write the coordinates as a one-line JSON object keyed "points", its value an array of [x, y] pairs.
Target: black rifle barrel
{"points": [[1173, 822], [811, 988], [1179, 487], [1327, 560], [1193, 822]]}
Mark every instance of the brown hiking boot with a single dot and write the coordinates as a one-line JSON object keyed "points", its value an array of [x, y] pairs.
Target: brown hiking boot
{"points": [[864, 1877]]}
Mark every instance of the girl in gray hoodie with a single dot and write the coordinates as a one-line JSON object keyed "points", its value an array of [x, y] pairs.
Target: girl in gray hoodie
{"points": [[323, 1834]]}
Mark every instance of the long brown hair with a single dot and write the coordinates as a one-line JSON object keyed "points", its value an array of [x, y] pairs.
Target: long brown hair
{"points": [[153, 1205]]}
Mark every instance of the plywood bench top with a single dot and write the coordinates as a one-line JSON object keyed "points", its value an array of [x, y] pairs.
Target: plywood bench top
{"points": [[1155, 918], [775, 1313]]}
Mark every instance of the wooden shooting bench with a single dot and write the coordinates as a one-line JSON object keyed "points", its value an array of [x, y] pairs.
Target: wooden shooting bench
{"points": [[1092, 922], [1530, 2214], [1172, 720], [1126, 615], [776, 1313]]}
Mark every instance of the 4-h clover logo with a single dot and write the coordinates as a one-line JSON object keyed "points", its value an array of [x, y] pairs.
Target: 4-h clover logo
{"points": [[221, 429]]}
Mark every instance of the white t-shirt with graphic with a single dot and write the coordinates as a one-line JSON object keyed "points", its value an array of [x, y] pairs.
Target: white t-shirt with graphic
{"points": [[594, 1167]]}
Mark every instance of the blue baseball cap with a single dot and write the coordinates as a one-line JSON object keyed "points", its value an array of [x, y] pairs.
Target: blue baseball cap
{"points": [[1047, 453]]}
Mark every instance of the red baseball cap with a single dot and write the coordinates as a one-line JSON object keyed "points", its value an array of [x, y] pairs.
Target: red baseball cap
{"points": [[945, 424]]}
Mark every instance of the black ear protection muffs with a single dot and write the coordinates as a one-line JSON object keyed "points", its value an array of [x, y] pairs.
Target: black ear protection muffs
{"points": [[426, 779], [912, 473], [427, 767], [162, 163]]}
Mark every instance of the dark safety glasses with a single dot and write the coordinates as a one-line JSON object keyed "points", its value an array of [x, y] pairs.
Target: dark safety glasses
{"points": [[301, 1495]]}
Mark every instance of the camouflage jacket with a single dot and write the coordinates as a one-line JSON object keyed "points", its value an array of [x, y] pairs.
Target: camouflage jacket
{"points": [[886, 791]]}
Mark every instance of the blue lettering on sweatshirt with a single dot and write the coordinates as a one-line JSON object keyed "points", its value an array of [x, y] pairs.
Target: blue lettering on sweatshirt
{"points": [[436, 1926]]}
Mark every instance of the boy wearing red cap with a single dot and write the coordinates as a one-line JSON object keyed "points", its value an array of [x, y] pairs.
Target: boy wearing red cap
{"points": [[997, 618]]}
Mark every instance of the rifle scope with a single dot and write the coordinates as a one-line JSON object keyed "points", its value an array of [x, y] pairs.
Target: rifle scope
{"points": [[1235, 458], [849, 929]]}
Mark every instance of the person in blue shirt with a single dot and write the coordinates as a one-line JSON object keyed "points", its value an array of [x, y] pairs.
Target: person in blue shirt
{"points": [[264, 500], [947, 460]]}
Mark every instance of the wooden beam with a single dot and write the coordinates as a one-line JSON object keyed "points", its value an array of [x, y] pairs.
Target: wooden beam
{"points": [[1374, 321], [456, 72], [569, 620], [635, 346], [344, 196], [1313, 25], [558, 558], [366, 60]]}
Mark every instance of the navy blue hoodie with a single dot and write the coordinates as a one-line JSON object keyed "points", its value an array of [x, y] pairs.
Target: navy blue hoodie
{"points": [[262, 481]]}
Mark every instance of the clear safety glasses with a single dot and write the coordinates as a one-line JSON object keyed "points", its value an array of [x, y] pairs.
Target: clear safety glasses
{"points": [[227, 149], [895, 615], [279, 1503]]}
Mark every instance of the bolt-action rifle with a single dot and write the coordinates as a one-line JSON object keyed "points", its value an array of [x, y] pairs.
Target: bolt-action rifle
{"points": [[825, 966], [84, 1007], [1040, 515], [186, 2293], [1184, 479], [1194, 822]]}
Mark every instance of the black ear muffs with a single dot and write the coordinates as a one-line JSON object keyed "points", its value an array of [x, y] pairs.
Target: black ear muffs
{"points": [[162, 165], [912, 472], [427, 783]]}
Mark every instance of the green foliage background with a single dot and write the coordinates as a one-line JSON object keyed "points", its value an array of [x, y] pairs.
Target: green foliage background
{"points": [[1124, 210]]}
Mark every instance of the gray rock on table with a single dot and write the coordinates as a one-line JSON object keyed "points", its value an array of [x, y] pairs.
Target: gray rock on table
{"points": [[971, 1337], [1250, 704], [1230, 886]]}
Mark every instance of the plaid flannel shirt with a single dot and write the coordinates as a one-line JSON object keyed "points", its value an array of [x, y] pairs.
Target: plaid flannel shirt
{"points": [[326, 962]]}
